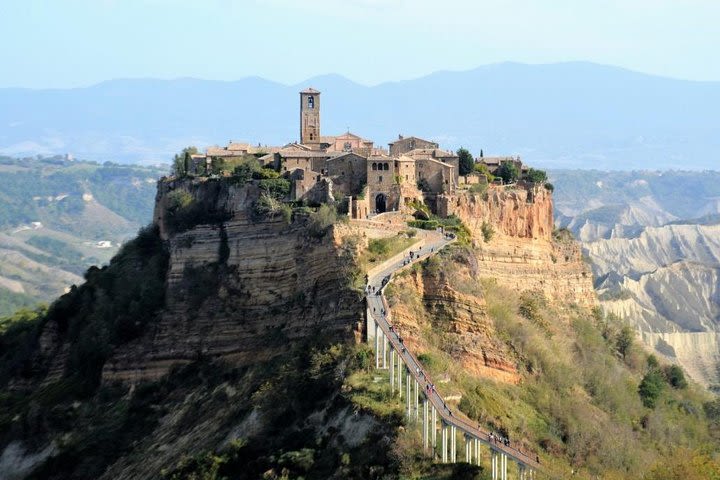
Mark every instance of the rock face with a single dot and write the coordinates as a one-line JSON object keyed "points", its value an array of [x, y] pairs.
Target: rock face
{"points": [[240, 288], [513, 245], [520, 252]]}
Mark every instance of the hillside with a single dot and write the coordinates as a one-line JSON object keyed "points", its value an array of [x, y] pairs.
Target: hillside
{"points": [[59, 217], [226, 341], [567, 115], [652, 238]]}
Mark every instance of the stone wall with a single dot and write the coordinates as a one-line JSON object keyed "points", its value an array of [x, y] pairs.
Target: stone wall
{"points": [[348, 172]]}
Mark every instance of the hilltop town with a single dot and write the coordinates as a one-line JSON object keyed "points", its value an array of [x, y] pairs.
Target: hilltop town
{"points": [[361, 178]]}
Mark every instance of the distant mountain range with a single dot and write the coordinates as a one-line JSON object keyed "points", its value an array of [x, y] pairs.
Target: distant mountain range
{"points": [[567, 115]]}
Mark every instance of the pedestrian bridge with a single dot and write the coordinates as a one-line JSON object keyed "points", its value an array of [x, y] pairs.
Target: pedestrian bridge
{"points": [[423, 404]]}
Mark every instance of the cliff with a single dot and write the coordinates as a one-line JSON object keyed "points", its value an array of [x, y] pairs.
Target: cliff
{"points": [[239, 288], [513, 233]]}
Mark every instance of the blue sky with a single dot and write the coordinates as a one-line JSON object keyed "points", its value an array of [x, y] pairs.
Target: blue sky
{"points": [[68, 43]]}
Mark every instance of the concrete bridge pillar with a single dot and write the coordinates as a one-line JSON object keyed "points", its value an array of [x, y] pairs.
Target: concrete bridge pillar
{"points": [[377, 345], [493, 464], [425, 424], [392, 370], [521, 471], [399, 373], [468, 449], [433, 431], [453, 445], [503, 466], [416, 397], [476, 445], [408, 394], [444, 447], [385, 349]]}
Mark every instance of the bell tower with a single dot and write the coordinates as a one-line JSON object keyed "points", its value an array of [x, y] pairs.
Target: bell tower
{"points": [[309, 116]]}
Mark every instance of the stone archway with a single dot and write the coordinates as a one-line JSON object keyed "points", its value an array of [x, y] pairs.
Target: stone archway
{"points": [[380, 203]]}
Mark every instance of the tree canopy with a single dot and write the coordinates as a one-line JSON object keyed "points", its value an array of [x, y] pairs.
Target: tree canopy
{"points": [[509, 172], [466, 161]]}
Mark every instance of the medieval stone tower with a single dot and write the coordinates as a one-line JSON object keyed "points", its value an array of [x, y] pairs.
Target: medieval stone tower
{"points": [[309, 116]]}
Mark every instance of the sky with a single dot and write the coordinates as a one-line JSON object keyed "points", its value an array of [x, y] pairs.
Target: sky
{"points": [[73, 43]]}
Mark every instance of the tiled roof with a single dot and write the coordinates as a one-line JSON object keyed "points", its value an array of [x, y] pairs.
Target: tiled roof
{"points": [[409, 138], [238, 146], [296, 153], [309, 90]]}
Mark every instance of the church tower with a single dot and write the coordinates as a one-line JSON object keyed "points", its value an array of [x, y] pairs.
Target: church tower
{"points": [[309, 116]]}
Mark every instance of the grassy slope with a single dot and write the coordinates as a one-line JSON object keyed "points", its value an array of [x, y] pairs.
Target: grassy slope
{"points": [[578, 403]]}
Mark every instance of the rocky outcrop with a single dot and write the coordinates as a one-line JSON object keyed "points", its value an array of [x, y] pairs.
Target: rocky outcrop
{"points": [[240, 288], [461, 318], [512, 231]]}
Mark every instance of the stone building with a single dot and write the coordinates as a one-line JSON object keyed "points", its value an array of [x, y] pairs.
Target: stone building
{"points": [[349, 168]]}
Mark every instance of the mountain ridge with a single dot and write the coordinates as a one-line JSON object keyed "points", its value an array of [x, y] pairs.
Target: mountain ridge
{"points": [[566, 114]]}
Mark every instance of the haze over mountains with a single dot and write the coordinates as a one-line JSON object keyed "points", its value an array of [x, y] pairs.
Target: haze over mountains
{"points": [[574, 115]]}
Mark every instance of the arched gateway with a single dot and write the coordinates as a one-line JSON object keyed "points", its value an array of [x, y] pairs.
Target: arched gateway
{"points": [[380, 203]]}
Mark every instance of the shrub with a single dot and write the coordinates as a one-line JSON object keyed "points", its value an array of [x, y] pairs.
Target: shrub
{"points": [[424, 224], [675, 377], [536, 176], [487, 231], [268, 206], [277, 188], [322, 220], [651, 387], [482, 169], [479, 188], [624, 340], [549, 187], [509, 172]]}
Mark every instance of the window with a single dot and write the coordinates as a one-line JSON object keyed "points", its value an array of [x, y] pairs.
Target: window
{"points": [[386, 166], [311, 102], [380, 179], [374, 166]]}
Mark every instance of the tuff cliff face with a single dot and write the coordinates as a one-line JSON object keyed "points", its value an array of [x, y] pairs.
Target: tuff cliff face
{"points": [[520, 250], [513, 247], [239, 287]]}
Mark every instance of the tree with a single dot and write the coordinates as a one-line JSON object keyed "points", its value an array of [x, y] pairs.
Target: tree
{"points": [[509, 172], [182, 161], [466, 161], [624, 340], [536, 176], [650, 388], [675, 376]]}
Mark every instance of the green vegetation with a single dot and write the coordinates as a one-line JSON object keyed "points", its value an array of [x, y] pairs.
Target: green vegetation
{"points": [[482, 169], [509, 172], [381, 249], [321, 220], [586, 399], [50, 190], [487, 231], [182, 162], [536, 176], [451, 224], [466, 161]]}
